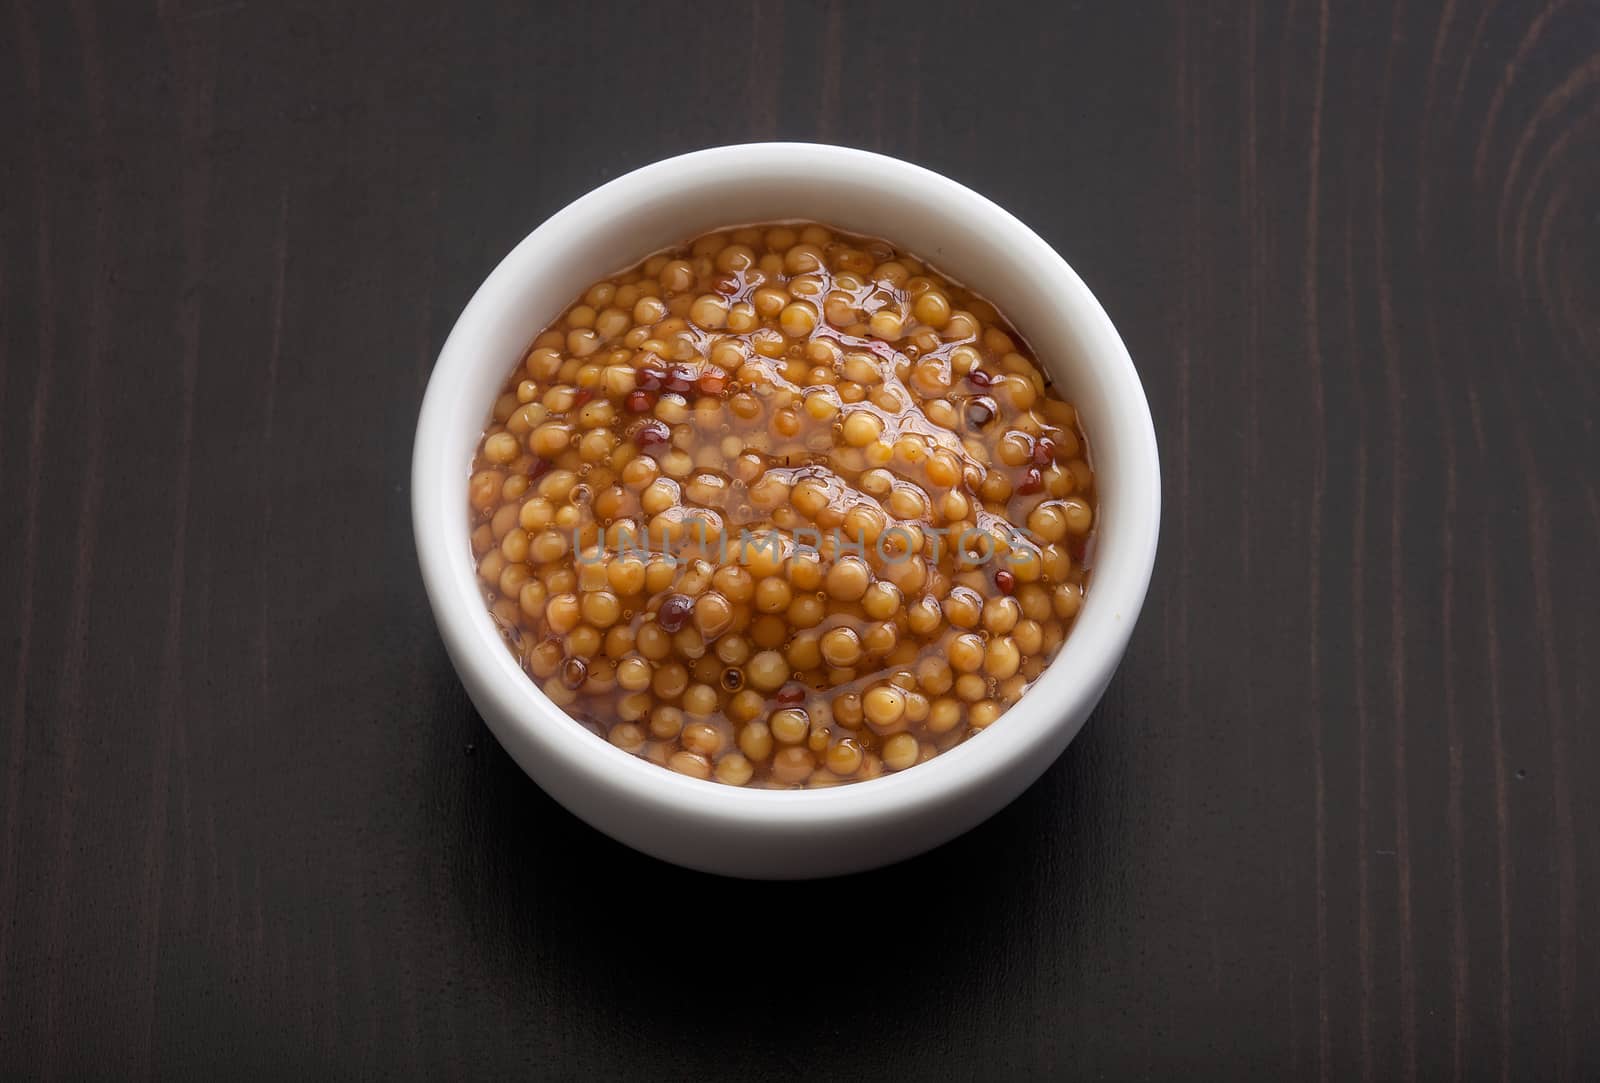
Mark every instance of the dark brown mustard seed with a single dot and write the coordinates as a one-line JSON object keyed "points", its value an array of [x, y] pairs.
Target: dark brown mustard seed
{"points": [[652, 434], [680, 379], [675, 609]]}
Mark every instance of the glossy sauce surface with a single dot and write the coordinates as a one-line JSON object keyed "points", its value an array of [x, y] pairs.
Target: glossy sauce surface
{"points": [[782, 507]]}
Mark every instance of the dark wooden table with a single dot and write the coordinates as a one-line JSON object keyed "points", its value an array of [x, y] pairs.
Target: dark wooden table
{"points": [[1336, 816]]}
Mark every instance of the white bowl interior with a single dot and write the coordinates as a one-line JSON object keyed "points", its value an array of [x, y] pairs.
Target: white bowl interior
{"points": [[960, 233]]}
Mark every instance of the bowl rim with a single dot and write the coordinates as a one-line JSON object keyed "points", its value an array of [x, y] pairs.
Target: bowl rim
{"points": [[1093, 649]]}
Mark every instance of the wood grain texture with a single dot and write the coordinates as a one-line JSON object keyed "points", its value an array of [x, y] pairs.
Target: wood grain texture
{"points": [[1334, 818]]}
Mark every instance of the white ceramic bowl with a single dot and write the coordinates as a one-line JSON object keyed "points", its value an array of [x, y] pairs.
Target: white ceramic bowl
{"points": [[778, 834]]}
